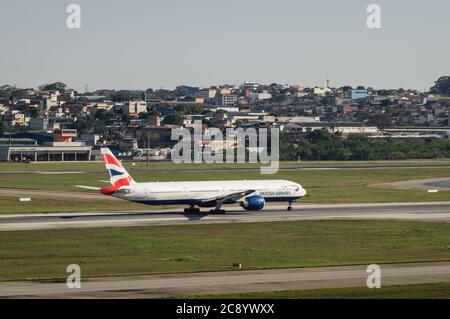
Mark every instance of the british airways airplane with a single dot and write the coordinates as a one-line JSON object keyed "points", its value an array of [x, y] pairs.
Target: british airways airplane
{"points": [[251, 195]]}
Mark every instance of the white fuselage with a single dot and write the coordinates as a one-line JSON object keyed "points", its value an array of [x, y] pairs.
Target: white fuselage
{"points": [[195, 193]]}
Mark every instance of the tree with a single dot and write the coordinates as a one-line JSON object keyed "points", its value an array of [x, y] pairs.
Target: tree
{"points": [[174, 118], [121, 97], [380, 120], [5, 94], [85, 125], [104, 116], [143, 115], [34, 112], [383, 92], [56, 86], [442, 86], [347, 88], [126, 119], [146, 115], [189, 109], [287, 150], [206, 122], [19, 94], [220, 111], [318, 136]]}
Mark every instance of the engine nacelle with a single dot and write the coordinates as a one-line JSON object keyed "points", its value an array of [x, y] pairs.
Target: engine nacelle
{"points": [[254, 202]]}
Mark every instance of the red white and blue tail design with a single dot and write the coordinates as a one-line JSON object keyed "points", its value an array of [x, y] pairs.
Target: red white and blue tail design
{"points": [[118, 175]]}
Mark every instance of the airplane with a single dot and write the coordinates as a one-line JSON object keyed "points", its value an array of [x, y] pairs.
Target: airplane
{"points": [[249, 194]]}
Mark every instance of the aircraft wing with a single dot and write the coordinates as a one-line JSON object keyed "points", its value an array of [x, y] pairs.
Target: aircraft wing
{"points": [[226, 199]]}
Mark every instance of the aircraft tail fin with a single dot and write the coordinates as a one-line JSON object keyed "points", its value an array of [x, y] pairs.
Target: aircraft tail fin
{"points": [[118, 175]]}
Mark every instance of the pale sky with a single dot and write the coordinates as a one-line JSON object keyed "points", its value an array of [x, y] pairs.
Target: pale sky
{"points": [[137, 44]]}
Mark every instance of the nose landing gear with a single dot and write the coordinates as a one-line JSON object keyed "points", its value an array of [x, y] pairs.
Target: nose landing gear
{"points": [[290, 208]]}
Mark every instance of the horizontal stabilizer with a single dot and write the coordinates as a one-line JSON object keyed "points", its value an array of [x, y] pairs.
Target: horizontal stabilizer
{"points": [[88, 187]]}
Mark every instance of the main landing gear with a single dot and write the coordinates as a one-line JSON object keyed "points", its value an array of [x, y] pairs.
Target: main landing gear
{"points": [[217, 210], [192, 210]]}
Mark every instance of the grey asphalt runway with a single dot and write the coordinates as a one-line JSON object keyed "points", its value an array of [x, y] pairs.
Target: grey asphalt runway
{"points": [[433, 211], [228, 282]]}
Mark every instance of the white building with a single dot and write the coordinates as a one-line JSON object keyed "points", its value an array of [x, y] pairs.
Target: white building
{"points": [[260, 96], [133, 108], [229, 100], [298, 119], [249, 86], [343, 128]]}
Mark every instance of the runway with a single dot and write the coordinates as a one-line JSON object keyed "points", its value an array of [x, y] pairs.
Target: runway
{"points": [[433, 211], [228, 282]]}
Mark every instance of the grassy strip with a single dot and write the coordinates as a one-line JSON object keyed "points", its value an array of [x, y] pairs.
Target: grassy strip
{"points": [[191, 248], [10, 205], [419, 291]]}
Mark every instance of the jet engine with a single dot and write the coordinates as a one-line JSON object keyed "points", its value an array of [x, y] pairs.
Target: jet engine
{"points": [[254, 202]]}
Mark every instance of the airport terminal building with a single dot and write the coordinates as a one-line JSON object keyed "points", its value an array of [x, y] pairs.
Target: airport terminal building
{"points": [[50, 153], [31, 147]]}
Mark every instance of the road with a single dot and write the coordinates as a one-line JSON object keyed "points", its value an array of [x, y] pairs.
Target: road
{"points": [[228, 282], [433, 211]]}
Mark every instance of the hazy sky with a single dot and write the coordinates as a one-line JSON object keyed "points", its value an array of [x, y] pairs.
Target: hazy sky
{"points": [[137, 44]]}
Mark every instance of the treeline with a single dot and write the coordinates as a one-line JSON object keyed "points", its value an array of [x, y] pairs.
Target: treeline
{"points": [[324, 146]]}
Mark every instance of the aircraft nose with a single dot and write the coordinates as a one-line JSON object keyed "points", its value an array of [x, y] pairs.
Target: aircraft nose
{"points": [[302, 192]]}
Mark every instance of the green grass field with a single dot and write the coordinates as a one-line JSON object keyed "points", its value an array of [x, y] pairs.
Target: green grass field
{"points": [[419, 291], [11, 205], [191, 248], [323, 186]]}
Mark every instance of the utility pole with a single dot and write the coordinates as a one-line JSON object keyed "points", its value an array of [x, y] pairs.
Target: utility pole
{"points": [[328, 83]]}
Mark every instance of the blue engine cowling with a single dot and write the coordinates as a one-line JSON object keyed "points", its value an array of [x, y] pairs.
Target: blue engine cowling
{"points": [[254, 202]]}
